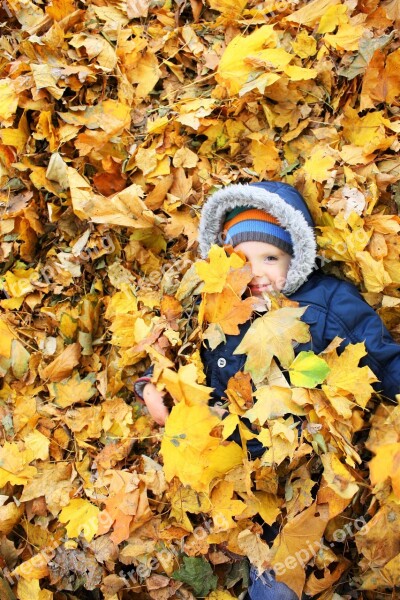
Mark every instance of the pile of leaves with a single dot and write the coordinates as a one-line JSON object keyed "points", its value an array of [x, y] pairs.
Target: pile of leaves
{"points": [[117, 120]]}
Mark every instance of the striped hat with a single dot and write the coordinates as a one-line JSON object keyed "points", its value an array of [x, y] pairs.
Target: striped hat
{"points": [[247, 224]]}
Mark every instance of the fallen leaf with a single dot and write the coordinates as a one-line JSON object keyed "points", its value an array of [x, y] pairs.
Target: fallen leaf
{"points": [[271, 335]]}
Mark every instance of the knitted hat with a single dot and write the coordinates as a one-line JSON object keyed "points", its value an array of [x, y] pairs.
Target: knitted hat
{"points": [[247, 224]]}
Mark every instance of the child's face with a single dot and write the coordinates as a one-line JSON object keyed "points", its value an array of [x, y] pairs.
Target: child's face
{"points": [[269, 266]]}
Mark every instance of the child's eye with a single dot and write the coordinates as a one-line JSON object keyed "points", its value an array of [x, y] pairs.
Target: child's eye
{"points": [[270, 258]]}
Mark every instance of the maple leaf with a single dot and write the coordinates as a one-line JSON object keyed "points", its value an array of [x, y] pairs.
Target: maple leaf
{"points": [[184, 500], [72, 390], [281, 441], [312, 12], [197, 573], [338, 476], [125, 511], [30, 590], [80, 516], [299, 535], [183, 385], [239, 393], [233, 69], [214, 272], [54, 482], [386, 464], [272, 402], [227, 310], [272, 335], [190, 452], [14, 464], [224, 507], [10, 515], [34, 568], [254, 548], [62, 366], [346, 376]]}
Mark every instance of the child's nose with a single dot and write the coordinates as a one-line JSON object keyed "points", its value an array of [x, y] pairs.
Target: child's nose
{"points": [[256, 269]]}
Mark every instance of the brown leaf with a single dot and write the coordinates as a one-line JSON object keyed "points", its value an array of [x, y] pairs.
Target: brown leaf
{"points": [[62, 366]]}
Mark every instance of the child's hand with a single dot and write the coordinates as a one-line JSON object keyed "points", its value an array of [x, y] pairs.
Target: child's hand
{"points": [[153, 399]]}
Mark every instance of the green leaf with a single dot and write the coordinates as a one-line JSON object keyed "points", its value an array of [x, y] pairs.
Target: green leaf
{"points": [[239, 571], [308, 370], [197, 573]]}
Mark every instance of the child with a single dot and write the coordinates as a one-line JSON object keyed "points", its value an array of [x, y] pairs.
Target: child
{"points": [[270, 224]]}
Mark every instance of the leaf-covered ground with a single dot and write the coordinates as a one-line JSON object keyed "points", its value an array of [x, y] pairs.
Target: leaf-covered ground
{"points": [[117, 120]]}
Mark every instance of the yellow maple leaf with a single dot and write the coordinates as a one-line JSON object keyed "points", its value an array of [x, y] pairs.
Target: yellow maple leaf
{"points": [[338, 476], [19, 282], [30, 590], [62, 366], [224, 507], [298, 538], [386, 464], [10, 516], [34, 568], [7, 335], [267, 505], [347, 377], [308, 370], [124, 208], [59, 9], [368, 132], [272, 335], [147, 73], [283, 441], [183, 385], [38, 444], [265, 154], [376, 278], [334, 16], [234, 67], [342, 240], [14, 464], [254, 548], [190, 452], [226, 309], [215, 271], [319, 164], [304, 45], [80, 516], [219, 595], [386, 577], [16, 137], [272, 402], [183, 500], [72, 390], [347, 37], [296, 73], [312, 12], [229, 8], [8, 101], [68, 326]]}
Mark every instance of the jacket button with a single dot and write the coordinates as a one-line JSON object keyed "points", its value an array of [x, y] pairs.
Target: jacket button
{"points": [[221, 362]]}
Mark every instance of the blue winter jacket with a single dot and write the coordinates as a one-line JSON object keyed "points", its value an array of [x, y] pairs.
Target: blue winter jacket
{"points": [[334, 307]]}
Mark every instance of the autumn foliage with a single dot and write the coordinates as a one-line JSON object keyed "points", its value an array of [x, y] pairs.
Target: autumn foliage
{"points": [[117, 120]]}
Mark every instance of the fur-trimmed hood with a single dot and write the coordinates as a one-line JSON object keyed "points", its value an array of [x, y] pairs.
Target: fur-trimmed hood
{"points": [[280, 200]]}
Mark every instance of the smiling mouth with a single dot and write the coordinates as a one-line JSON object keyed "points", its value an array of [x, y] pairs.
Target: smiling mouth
{"points": [[259, 288]]}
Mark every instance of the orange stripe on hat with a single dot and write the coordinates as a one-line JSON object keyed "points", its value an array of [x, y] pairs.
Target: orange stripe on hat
{"points": [[253, 213]]}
